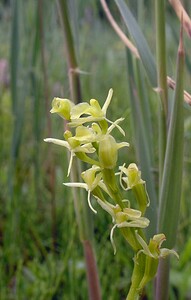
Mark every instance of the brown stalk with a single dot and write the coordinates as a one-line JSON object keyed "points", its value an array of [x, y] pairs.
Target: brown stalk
{"points": [[170, 82], [118, 30], [50, 166], [181, 13]]}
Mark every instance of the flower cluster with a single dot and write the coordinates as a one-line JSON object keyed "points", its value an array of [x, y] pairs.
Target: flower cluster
{"points": [[90, 139]]}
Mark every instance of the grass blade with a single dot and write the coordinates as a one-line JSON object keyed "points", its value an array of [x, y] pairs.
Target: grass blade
{"points": [[170, 194], [143, 147], [140, 41], [172, 177]]}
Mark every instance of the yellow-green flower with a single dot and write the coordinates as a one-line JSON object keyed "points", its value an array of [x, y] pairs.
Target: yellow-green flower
{"points": [[153, 249], [108, 151], [92, 179], [126, 217], [93, 111], [152, 252], [130, 178], [74, 147], [62, 107]]}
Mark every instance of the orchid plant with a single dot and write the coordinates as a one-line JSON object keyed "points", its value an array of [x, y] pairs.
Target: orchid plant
{"points": [[90, 139]]}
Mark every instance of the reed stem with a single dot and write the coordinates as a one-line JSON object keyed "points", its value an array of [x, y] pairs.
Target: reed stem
{"points": [[51, 165], [162, 82], [170, 194], [75, 93]]}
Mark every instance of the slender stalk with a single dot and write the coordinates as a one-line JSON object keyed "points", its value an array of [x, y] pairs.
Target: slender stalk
{"points": [[50, 166], [162, 283], [138, 271], [75, 91], [74, 79], [143, 136], [163, 113], [92, 273], [172, 176], [110, 180], [117, 29], [162, 82], [182, 14], [14, 70]]}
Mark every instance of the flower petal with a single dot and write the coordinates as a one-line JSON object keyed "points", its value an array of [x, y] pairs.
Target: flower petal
{"points": [[76, 184], [165, 252], [107, 102], [107, 207], [58, 142], [89, 202], [111, 238], [144, 245]]}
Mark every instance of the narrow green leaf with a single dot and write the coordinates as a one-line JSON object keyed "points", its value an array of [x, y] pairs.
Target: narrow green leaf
{"points": [[140, 41], [162, 82], [14, 52], [172, 176], [142, 147], [14, 59], [142, 91]]}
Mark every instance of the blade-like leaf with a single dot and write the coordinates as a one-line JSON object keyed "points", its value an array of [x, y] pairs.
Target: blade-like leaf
{"points": [[141, 43], [172, 177], [143, 147]]}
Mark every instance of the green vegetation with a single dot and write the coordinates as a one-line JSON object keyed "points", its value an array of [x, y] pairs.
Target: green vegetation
{"points": [[41, 256]]}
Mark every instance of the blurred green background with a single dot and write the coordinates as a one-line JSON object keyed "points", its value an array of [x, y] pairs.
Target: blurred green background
{"points": [[41, 256]]}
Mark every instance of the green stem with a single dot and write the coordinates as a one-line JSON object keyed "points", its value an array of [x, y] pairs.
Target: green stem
{"points": [[138, 272], [50, 162], [114, 191], [162, 82], [74, 78], [110, 181], [85, 228], [170, 194], [129, 235], [163, 93]]}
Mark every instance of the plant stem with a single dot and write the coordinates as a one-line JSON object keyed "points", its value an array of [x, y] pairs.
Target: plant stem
{"points": [[162, 82], [74, 79], [163, 106], [92, 273], [138, 271], [170, 194], [112, 186], [110, 181], [84, 227], [51, 165], [162, 283]]}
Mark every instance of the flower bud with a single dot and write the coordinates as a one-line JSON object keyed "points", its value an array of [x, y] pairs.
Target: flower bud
{"points": [[67, 134], [138, 186], [134, 175], [108, 149]]}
